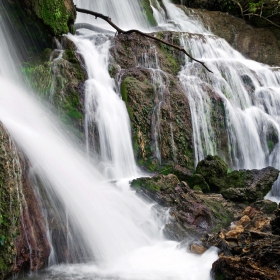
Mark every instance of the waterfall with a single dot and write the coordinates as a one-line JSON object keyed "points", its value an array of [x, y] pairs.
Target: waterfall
{"points": [[118, 233], [107, 124], [235, 111], [126, 14]]}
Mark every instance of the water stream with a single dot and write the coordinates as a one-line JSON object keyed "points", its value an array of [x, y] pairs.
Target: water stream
{"points": [[118, 233]]}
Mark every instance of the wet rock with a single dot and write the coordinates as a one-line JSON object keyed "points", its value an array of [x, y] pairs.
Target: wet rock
{"points": [[229, 268], [248, 251], [275, 223], [157, 105], [198, 249], [192, 212], [260, 44], [23, 239], [59, 78], [239, 185], [214, 170], [251, 185]]}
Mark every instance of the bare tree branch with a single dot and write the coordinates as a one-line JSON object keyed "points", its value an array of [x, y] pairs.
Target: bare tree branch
{"points": [[265, 18], [120, 31]]}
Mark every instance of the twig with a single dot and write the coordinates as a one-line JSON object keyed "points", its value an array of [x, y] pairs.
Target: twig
{"points": [[120, 31], [257, 15]]}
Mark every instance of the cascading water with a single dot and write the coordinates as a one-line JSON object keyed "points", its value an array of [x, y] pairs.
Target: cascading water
{"points": [[246, 93], [127, 14], [107, 123], [119, 233]]}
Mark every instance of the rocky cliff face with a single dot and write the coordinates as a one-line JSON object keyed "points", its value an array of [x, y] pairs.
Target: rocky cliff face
{"points": [[157, 105], [23, 239]]}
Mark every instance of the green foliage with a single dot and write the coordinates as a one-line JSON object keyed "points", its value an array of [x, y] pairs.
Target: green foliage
{"points": [[227, 5], [220, 277], [254, 6]]}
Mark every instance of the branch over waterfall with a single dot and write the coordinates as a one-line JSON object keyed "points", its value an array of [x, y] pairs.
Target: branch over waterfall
{"points": [[120, 31]]}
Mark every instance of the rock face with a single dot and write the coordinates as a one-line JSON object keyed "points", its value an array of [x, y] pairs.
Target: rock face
{"points": [[157, 105], [58, 77], [249, 250], [56, 16], [23, 240]]}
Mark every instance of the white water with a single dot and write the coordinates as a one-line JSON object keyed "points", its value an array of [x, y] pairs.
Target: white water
{"points": [[126, 14], [120, 230], [251, 111], [105, 110]]}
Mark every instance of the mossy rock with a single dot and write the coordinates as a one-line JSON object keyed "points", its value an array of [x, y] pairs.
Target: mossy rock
{"points": [[56, 15], [10, 182], [214, 171], [61, 82], [198, 180], [157, 183]]}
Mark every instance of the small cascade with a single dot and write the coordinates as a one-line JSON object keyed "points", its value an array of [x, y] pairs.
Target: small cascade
{"points": [[160, 83], [107, 125], [126, 14]]}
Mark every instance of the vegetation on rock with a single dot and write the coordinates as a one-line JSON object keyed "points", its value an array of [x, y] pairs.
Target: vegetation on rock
{"points": [[10, 188], [57, 76]]}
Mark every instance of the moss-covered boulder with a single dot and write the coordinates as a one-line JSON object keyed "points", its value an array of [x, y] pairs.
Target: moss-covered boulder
{"points": [[56, 16], [249, 185], [238, 185], [214, 170]]}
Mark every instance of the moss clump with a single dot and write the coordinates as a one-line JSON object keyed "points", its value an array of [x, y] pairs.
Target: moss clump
{"points": [[39, 77], [214, 171], [197, 180], [55, 15], [159, 183]]}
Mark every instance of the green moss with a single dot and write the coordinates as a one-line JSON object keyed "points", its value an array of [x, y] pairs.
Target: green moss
{"points": [[220, 277], [124, 89], [58, 82], [148, 12], [38, 77], [146, 183], [222, 216], [197, 188], [197, 180], [9, 204], [54, 14]]}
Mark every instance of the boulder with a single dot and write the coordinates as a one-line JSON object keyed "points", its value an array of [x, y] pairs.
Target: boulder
{"points": [[214, 170], [249, 185]]}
